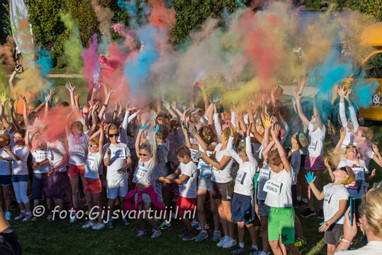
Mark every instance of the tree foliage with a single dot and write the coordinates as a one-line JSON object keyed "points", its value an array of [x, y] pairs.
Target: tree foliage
{"points": [[5, 27], [371, 7]]}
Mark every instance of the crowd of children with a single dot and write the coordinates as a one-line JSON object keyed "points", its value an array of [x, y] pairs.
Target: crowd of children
{"points": [[248, 163]]}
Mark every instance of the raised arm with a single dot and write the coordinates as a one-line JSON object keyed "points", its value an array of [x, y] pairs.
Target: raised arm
{"points": [[326, 162], [217, 125], [26, 138], [337, 149], [310, 179], [275, 135], [300, 113], [353, 115], [205, 98], [316, 113], [341, 92]]}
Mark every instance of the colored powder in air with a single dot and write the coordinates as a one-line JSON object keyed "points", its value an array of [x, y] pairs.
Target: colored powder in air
{"points": [[45, 62], [104, 16], [91, 63], [72, 46], [364, 91]]}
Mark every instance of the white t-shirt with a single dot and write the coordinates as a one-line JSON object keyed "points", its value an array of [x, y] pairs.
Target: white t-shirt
{"points": [[247, 171], [5, 166], [316, 141], [143, 172], [93, 165], [78, 149], [56, 152], [359, 185], [333, 195], [39, 156], [372, 248], [223, 175], [20, 167], [188, 187], [264, 176], [279, 189], [119, 153]]}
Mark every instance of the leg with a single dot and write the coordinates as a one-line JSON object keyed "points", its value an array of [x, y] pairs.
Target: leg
{"points": [[24, 197], [214, 211], [293, 249], [318, 183], [264, 227], [97, 201], [201, 198], [74, 181], [253, 233], [222, 216], [227, 212], [331, 249], [110, 205], [297, 224], [240, 231], [149, 218], [275, 247], [6, 197]]}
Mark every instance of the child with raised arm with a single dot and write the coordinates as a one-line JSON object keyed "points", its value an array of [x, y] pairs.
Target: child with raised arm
{"points": [[117, 159], [243, 207], [187, 181], [144, 194], [19, 154], [5, 175], [93, 185], [314, 161], [351, 126], [40, 161], [335, 197], [279, 198]]}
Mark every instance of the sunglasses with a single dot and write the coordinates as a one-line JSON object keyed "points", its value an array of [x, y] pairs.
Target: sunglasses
{"points": [[344, 169], [92, 145], [350, 146], [78, 125], [114, 135], [143, 155]]}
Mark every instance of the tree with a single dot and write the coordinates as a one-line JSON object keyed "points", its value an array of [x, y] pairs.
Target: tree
{"points": [[371, 7], [190, 14], [5, 27]]}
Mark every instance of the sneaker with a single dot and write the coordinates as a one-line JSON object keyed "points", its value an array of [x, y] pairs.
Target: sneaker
{"points": [[238, 249], [73, 218], [156, 233], [165, 226], [195, 224], [98, 226], [222, 241], [90, 224], [264, 253], [50, 217], [320, 214], [308, 213], [300, 242], [189, 236], [201, 236], [216, 237], [8, 215], [34, 218], [28, 216], [110, 224], [125, 222], [206, 226], [141, 233], [229, 243], [253, 251], [21, 215], [182, 233]]}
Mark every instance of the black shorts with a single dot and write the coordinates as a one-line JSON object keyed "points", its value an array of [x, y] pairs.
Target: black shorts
{"points": [[222, 191], [333, 234]]}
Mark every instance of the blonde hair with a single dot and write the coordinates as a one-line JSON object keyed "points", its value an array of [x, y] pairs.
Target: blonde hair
{"points": [[372, 208]]}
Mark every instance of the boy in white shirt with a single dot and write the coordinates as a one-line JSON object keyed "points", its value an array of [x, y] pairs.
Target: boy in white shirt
{"points": [[187, 173], [117, 159]]}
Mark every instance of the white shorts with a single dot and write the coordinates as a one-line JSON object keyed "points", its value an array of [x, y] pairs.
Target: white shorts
{"points": [[116, 188]]}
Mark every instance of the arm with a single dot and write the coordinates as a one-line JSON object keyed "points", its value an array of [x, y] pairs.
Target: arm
{"points": [[275, 133], [13, 116], [316, 114], [205, 99], [218, 128], [10, 81], [252, 124], [353, 115], [337, 149], [377, 156], [326, 162], [267, 149], [248, 148], [319, 195], [124, 125], [341, 93], [301, 114], [101, 138], [155, 146], [25, 115], [350, 231], [27, 142], [170, 178], [187, 138], [106, 160], [336, 216], [10, 152]]}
